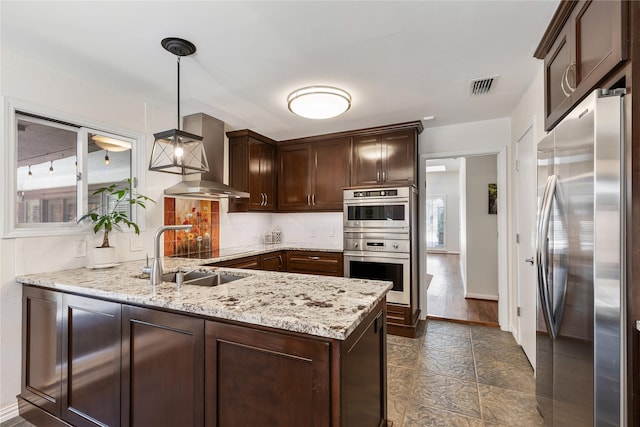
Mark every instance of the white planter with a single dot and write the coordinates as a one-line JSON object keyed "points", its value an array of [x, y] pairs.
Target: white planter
{"points": [[101, 257]]}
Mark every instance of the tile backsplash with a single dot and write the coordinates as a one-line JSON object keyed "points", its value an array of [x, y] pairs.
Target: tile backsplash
{"points": [[203, 240]]}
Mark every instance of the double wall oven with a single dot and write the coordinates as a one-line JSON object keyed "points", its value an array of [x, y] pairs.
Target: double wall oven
{"points": [[380, 238]]}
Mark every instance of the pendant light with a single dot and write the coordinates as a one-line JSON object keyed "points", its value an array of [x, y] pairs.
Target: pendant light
{"points": [[176, 151], [51, 168], [107, 161], [30, 175]]}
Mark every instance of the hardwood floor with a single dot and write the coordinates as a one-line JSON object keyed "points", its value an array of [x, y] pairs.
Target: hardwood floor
{"points": [[445, 296]]}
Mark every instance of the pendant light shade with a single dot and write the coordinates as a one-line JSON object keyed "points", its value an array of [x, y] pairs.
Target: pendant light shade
{"points": [[319, 102], [176, 151]]}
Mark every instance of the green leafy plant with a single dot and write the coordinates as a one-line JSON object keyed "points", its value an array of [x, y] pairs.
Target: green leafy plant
{"points": [[108, 219]]}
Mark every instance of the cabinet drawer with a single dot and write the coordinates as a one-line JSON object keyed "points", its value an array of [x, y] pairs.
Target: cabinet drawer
{"points": [[322, 263], [250, 263]]}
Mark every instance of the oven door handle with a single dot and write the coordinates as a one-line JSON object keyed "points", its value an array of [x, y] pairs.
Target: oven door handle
{"points": [[378, 255]]}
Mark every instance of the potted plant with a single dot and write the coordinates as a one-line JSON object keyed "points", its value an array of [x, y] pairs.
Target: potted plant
{"points": [[110, 216]]}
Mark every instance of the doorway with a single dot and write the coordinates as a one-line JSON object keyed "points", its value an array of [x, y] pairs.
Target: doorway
{"points": [[455, 250], [461, 239]]}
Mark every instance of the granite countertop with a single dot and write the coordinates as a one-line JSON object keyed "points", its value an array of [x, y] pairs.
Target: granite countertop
{"points": [[330, 307]]}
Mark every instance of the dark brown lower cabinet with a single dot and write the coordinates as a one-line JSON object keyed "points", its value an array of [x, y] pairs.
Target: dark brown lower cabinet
{"points": [[91, 351], [42, 349], [162, 368], [258, 378], [89, 362], [274, 261]]}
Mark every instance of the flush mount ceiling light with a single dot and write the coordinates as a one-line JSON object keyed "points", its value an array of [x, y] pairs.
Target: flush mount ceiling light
{"points": [[319, 102], [176, 151]]}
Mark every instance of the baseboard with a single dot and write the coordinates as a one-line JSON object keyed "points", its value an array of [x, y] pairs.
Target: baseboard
{"points": [[8, 412], [481, 296]]}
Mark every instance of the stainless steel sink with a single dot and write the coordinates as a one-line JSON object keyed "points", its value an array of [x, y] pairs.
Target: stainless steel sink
{"points": [[200, 278]]}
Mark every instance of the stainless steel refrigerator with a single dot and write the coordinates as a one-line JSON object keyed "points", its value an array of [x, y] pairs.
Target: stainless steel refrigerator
{"points": [[580, 260]]}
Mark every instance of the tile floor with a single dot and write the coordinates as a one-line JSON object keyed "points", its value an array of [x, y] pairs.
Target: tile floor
{"points": [[459, 375], [454, 375]]}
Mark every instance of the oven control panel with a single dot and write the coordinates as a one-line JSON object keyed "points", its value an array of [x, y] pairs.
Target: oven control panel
{"points": [[375, 245]]}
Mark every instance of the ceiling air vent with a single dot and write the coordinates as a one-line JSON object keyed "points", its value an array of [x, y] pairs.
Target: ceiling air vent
{"points": [[482, 86]]}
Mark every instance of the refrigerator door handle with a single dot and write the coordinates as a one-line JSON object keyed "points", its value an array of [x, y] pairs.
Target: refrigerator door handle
{"points": [[542, 249]]}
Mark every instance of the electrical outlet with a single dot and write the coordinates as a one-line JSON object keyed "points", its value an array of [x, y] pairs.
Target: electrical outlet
{"points": [[79, 249], [135, 244]]}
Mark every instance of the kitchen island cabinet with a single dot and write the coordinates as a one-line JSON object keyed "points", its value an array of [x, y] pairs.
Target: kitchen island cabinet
{"points": [[271, 349]]}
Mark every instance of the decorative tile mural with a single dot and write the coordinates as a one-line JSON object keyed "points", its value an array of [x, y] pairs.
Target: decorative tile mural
{"points": [[203, 240]]}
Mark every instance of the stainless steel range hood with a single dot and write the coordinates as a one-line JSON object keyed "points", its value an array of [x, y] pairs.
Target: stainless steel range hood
{"points": [[210, 185]]}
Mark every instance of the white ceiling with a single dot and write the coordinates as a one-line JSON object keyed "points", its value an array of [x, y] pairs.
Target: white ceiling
{"points": [[401, 61]]}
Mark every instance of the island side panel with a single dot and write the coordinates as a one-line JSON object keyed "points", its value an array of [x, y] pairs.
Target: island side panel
{"points": [[256, 377], [361, 366]]}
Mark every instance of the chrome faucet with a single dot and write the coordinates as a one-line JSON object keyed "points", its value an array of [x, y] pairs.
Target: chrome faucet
{"points": [[156, 267]]}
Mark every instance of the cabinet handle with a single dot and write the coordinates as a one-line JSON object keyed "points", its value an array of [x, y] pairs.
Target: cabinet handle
{"points": [[280, 262], [566, 78], [384, 176], [261, 199], [314, 258], [562, 80], [313, 199], [378, 176], [308, 200], [266, 199]]}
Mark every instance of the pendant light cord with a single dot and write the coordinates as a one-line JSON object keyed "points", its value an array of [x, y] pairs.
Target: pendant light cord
{"points": [[178, 92]]}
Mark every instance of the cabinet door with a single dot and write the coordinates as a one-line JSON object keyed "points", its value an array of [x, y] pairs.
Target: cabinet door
{"points": [[256, 199], [331, 165], [273, 262], [367, 161], [399, 158], [91, 351], [42, 348], [268, 176], [600, 44], [556, 65], [294, 192], [259, 378], [162, 368]]}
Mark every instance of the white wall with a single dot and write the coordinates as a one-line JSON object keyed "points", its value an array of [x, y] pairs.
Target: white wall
{"points": [[448, 184], [481, 229]]}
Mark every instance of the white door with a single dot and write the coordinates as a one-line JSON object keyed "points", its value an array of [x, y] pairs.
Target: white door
{"points": [[526, 225]]}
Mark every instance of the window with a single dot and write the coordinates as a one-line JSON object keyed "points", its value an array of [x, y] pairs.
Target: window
{"points": [[58, 165], [436, 221]]}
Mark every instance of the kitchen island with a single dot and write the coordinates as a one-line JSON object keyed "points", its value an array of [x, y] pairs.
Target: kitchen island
{"points": [[103, 347]]}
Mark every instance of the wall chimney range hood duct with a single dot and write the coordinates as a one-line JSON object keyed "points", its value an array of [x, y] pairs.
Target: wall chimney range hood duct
{"points": [[210, 185]]}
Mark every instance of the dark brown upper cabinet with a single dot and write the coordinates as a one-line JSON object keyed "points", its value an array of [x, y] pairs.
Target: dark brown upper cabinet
{"points": [[385, 159], [312, 175], [252, 168], [585, 41]]}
